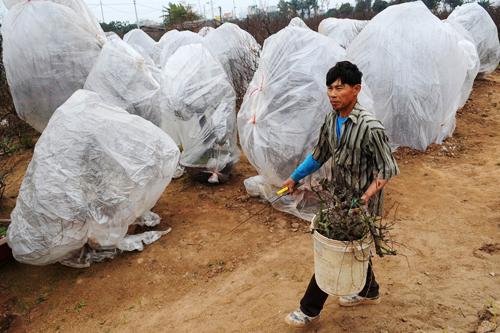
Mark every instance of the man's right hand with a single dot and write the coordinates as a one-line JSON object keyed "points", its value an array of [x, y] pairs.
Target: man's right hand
{"points": [[290, 183]]}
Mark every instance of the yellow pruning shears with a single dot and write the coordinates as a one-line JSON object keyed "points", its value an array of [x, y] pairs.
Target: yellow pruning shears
{"points": [[282, 191]]}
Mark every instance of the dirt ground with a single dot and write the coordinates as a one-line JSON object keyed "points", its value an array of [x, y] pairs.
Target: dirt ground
{"points": [[201, 278]]}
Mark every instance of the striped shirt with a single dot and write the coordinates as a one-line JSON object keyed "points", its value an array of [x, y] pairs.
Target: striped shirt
{"points": [[360, 154]]}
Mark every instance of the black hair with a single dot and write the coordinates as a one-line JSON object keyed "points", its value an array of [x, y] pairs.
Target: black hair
{"points": [[347, 72]]}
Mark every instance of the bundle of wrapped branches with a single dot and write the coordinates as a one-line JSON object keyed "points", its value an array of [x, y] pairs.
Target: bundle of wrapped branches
{"points": [[344, 217]]}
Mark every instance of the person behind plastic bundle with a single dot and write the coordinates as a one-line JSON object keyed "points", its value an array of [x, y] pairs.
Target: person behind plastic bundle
{"points": [[361, 161]]}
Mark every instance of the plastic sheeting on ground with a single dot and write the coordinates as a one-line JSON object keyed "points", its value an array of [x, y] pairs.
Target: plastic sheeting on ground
{"points": [[48, 52], [417, 86], [198, 104], [282, 113], [478, 22], [122, 77], [140, 41], [237, 51], [343, 31], [95, 170]]}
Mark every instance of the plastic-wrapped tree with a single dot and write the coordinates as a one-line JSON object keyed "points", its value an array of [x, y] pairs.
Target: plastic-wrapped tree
{"points": [[140, 41], [78, 6], [49, 50], [170, 42], [466, 43], [95, 170], [198, 104], [297, 22], [284, 108], [237, 51], [417, 86], [122, 77], [205, 31], [175, 41], [480, 25], [343, 31]]}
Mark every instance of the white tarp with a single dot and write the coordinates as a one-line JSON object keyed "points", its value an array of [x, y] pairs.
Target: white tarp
{"points": [[417, 86], [236, 50], [140, 41], [122, 77], [95, 170], [198, 104], [478, 22], [48, 52], [343, 31], [284, 108]]}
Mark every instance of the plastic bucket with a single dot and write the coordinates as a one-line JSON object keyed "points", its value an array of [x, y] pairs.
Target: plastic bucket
{"points": [[340, 267]]}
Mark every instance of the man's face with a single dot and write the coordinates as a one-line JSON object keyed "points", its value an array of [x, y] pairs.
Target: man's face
{"points": [[342, 95]]}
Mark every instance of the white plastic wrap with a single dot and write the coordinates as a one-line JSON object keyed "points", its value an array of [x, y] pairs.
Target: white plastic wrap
{"points": [[110, 35], [205, 31], [140, 41], [297, 22], [236, 50], [95, 170], [198, 103], [343, 31], [170, 42], [175, 41], [122, 77], [466, 43], [284, 108], [417, 86], [48, 52], [478, 22], [78, 6]]}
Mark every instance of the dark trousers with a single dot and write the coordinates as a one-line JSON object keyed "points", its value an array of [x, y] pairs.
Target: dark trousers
{"points": [[314, 298]]}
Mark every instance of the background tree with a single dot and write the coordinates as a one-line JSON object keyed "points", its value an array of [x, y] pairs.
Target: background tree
{"points": [[432, 4], [294, 7], [178, 13], [311, 5], [486, 4], [332, 12], [379, 5], [363, 6], [119, 27], [284, 8], [451, 4], [346, 9]]}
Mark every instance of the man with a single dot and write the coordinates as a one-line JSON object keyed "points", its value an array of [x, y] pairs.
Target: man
{"points": [[361, 161]]}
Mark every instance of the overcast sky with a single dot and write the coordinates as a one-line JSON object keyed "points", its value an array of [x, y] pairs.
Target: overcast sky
{"points": [[123, 10]]}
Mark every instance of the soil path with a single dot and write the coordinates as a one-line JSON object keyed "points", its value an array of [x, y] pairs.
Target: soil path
{"points": [[199, 278]]}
